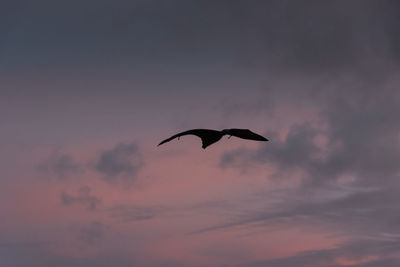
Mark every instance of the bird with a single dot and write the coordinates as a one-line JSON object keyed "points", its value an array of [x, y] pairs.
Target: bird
{"points": [[209, 137]]}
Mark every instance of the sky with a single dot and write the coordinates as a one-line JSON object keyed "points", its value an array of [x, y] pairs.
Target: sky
{"points": [[89, 88]]}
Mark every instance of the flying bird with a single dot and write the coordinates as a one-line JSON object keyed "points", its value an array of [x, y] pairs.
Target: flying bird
{"points": [[209, 137]]}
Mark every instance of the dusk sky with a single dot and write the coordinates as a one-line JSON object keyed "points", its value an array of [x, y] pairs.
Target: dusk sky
{"points": [[89, 88]]}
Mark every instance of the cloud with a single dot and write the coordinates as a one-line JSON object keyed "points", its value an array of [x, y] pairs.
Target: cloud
{"points": [[363, 253], [37, 254], [339, 59], [83, 198], [91, 233], [130, 213], [354, 132], [123, 162], [346, 211], [346, 156], [61, 165], [283, 34], [297, 150]]}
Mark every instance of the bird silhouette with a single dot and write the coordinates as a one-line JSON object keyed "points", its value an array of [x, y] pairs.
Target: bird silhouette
{"points": [[209, 137]]}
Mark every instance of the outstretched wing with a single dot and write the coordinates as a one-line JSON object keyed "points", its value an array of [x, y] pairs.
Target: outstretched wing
{"points": [[207, 136], [247, 134]]}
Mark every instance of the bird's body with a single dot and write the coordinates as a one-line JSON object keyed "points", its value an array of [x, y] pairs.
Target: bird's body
{"points": [[209, 137]]}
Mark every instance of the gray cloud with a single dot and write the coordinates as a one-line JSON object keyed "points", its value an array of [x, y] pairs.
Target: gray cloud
{"points": [[120, 163], [349, 181], [38, 254], [61, 165], [91, 233], [304, 36], [358, 123], [83, 197], [297, 150], [361, 150]]}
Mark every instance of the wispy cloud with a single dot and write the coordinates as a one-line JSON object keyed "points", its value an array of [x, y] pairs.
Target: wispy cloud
{"points": [[360, 253], [61, 165], [130, 213], [83, 197], [91, 233]]}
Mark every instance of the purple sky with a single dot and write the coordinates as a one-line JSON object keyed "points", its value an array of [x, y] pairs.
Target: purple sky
{"points": [[89, 88]]}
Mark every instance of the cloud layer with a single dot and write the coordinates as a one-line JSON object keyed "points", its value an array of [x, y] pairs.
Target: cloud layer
{"points": [[319, 79]]}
